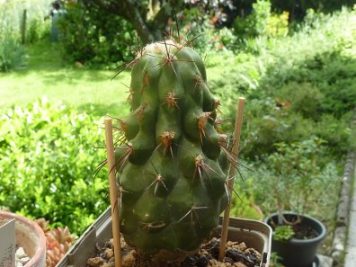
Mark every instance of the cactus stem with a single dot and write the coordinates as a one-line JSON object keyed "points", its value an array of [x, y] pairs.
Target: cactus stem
{"points": [[123, 126], [167, 141], [146, 82], [153, 225], [192, 212], [171, 100], [168, 60], [222, 140], [122, 190], [123, 160], [159, 180], [140, 111], [199, 165], [198, 81], [169, 44], [202, 121], [170, 199], [130, 96]]}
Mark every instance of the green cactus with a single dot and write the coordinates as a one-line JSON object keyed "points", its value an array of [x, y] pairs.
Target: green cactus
{"points": [[172, 169]]}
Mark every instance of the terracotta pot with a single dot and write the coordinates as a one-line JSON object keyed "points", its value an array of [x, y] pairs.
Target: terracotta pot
{"points": [[30, 237], [298, 252]]}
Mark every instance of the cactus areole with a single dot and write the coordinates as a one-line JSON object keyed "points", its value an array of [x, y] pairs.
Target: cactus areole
{"points": [[172, 169]]}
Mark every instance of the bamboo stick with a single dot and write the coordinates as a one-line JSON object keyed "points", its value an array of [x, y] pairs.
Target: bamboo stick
{"points": [[232, 173], [114, 192]]}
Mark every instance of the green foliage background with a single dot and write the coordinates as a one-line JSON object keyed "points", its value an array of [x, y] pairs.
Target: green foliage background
{"points": [[12, 51], [91, 36], [49, 155]]}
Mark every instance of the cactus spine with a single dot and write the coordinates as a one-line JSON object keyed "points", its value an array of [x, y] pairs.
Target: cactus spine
{"points": [[171, 170]]}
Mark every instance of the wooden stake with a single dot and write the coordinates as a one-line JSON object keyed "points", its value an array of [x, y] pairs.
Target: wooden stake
{"points": [[114, 192], [231, 174]]}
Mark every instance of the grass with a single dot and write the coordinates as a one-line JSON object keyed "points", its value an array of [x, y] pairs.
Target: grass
{"points": [[94, 91], [45, 75]]}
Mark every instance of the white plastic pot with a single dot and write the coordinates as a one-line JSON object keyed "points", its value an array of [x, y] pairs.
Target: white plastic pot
{"points": [[255, 234]]}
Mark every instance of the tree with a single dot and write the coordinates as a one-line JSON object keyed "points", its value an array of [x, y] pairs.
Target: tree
{"points": [[106, 31], [149, 18]]}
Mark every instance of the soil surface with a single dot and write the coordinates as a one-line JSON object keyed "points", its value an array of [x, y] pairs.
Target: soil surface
{"points": [[236, 255], [302, 231]]}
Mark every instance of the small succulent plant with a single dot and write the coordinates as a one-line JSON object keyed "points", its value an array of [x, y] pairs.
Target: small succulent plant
{"points": [[59, 240]]}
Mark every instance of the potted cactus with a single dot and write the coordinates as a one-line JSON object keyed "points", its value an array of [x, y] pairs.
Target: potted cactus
{"points": [[172, 170], [172, 162]]}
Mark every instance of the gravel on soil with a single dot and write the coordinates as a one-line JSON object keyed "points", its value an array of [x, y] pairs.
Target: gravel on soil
{"points": [[236, 255]]}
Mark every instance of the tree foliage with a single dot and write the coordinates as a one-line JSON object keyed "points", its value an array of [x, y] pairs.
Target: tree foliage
{"points": [[149, 18]]}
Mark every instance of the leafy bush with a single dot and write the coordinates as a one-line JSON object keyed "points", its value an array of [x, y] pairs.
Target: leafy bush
{"points": [[329, 76], [12, 54], [299, 8], [87, 37], [291, 84], [270, 121], [302, 98], [37, 30], [11, 14], [49, 154], [262, 22], [336, 132], [243, 203], [267, 124], [296, 177]]}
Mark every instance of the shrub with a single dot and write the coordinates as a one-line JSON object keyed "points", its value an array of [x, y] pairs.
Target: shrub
{"points": [[49, 154], [12, 54], [243, 200], [291, 84], [270, 124], [296, 177], [262, 22], [86, 37], [336, 132], [330, 76], [302, 98], [270, 121], [37, 30], [11, 14]]}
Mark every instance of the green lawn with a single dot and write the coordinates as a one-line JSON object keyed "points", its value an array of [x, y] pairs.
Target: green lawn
{"points": [[46, 75]]}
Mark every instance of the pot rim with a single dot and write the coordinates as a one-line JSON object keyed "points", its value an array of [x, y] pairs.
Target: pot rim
{"points": [[41, 250], [319, 238]]}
